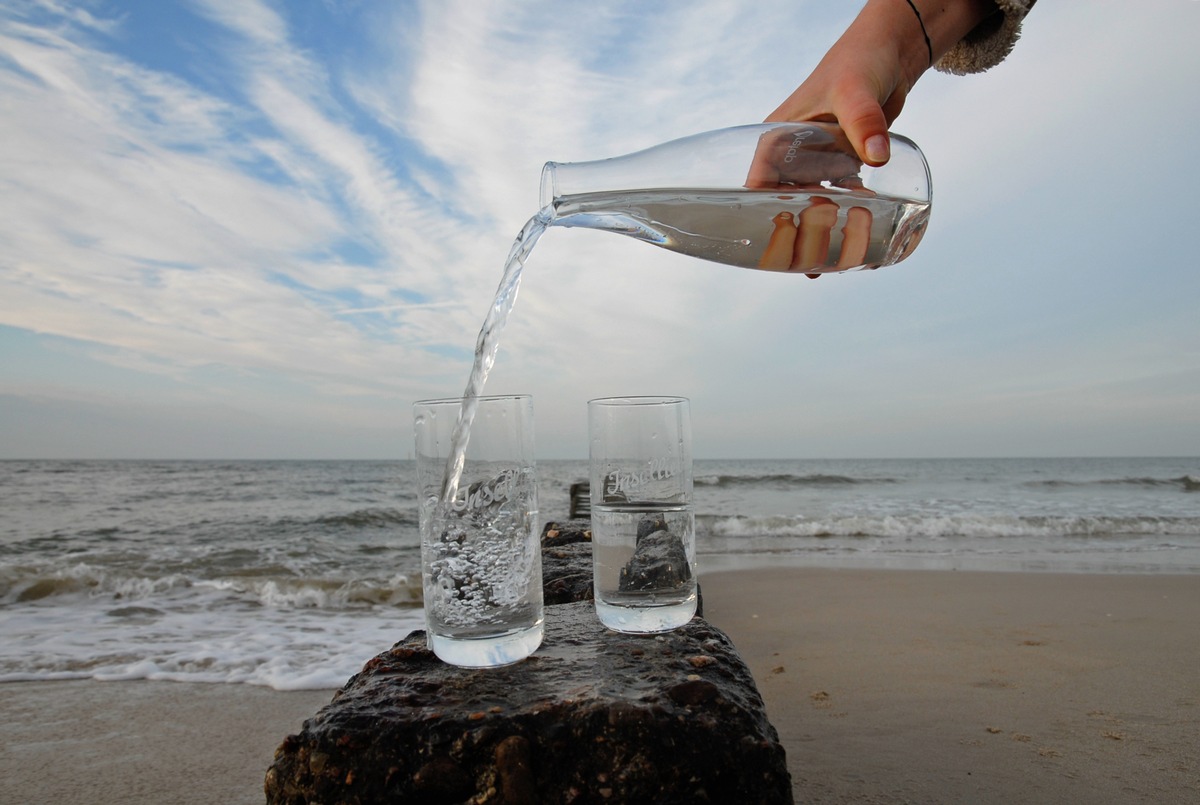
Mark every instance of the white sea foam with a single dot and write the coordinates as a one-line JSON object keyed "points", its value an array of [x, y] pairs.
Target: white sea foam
{"points": [[283, 649], [968, 541], [935, 527]]}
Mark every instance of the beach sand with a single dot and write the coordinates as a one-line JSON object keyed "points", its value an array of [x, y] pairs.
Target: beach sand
{"points": [[160, 743], [943, 686], [886, 686]]}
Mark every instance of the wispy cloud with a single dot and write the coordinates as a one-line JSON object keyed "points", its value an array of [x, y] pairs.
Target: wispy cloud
{"points": [[151, 213], [304, 208], [138, 214]]}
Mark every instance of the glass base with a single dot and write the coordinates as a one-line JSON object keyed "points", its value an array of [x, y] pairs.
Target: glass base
{"points": [[645, 620], [487, 652]]}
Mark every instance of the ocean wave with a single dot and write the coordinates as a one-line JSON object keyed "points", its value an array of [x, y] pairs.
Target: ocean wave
{"points": [[282, 593], [23, 584], [1187, 483], [374, 517], [777, 480], [48, 585], [926, 527], [104, 531], [311, 649]]}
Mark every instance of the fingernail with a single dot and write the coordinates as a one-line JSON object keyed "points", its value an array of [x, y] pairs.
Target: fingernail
{"points": [[878, 148]]}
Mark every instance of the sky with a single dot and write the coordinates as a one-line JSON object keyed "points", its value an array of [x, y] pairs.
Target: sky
{"points": [[258, 229]]}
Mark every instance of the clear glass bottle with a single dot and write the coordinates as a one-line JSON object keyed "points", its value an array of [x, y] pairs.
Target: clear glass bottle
{"points": [[772, 196]]}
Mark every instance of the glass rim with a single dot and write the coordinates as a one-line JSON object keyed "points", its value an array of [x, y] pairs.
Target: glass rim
{"points": [[638, 399], [482, 398]]}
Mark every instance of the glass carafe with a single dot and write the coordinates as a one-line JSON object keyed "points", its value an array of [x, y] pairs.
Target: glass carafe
{"points": [[772, 196]]}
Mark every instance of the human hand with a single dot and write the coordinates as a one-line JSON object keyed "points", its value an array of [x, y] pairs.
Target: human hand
{"points": [[813, 157], [865, 78], [803, 156]]}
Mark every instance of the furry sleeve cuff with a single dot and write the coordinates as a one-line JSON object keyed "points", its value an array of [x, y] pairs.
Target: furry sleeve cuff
{"points": [[990, 42]]}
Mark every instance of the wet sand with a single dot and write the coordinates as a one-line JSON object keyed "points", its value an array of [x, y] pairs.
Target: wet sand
{"points": [[943, 686], [142, 742], [886, 686]]}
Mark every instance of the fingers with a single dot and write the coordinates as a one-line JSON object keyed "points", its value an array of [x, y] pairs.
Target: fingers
{"points": [[778, 254], [788, 157], [763, 172], [856, 235], [861, 117], [806, 246], [812, 239], [803, 243]]}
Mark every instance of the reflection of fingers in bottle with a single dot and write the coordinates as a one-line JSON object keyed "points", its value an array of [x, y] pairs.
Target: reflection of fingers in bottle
{"points": [[855, 236], [762, 176], [778, 254], [812, 241]]}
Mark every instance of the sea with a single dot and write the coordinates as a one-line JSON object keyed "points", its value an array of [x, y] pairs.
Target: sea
{"points": [[292, 574]]}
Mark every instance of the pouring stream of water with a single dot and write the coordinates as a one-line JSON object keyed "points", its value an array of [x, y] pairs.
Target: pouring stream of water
{"points": [[487, 343]]}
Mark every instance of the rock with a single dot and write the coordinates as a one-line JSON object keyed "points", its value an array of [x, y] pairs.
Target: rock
{"points": [[648, 525], [593, 716], [567, 574], [659, 561], [567, 562], [556, 533]]}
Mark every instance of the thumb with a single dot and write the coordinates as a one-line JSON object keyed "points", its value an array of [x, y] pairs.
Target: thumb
{"points": [[865, 124]]}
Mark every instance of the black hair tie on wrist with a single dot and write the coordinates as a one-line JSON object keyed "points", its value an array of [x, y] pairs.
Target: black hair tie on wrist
{"points": [[924, 33]]}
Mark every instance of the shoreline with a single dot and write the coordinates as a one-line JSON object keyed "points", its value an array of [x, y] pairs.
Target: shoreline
{"points": [[713, 563], [885, 685]]}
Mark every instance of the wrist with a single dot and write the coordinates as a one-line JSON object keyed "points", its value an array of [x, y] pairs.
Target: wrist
{"points": [[919, 32], [947, 21], [892, 31]]}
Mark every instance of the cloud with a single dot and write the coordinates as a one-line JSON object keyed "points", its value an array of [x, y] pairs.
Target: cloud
{"points": [[138, 215], [201, 223], [302, 210]]}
